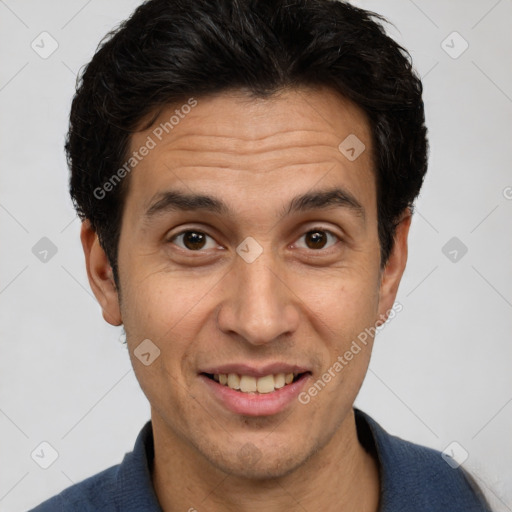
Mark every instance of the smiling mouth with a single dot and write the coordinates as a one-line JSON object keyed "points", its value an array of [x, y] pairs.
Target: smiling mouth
{"points": [[252, 385]]}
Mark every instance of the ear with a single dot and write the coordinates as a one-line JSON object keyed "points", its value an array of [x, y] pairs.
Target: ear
{"points": [[392, 273], [100, 275]]}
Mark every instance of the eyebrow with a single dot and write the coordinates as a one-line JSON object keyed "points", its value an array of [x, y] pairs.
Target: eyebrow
{"points": [[173, 200]]}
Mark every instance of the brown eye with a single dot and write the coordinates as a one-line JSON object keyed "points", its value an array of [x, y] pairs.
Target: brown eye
{"points": [[191, 240], [317, 239]]}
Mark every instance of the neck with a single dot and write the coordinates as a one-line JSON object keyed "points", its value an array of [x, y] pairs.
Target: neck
{"points": [[340, 477]]}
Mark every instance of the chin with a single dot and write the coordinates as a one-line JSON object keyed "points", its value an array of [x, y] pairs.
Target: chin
{"points": [[253, 463]]}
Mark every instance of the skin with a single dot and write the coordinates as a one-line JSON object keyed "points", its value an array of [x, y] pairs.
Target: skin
{"points": [[295, 303]]}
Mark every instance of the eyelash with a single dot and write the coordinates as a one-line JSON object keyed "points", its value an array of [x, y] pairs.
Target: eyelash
{"points": [[314, 229]]}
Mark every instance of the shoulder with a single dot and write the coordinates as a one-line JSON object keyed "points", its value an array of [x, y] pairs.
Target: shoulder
{"points": [[415, 477], [95, 493], [126, 486]]}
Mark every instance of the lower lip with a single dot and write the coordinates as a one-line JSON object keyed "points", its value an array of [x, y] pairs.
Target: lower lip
{"points": [[256, 404]]}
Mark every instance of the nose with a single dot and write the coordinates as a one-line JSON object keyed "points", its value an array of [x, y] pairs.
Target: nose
{"points": [[259, 305]]}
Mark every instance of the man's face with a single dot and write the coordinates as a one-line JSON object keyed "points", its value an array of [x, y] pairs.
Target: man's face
{"points": [[291, 298]]}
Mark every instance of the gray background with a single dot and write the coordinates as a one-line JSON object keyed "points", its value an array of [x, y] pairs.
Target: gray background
{"points": [[440, 371]]}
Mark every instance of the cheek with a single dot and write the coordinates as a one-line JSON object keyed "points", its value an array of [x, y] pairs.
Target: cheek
{"points": [[161, 303], [345, 301], [156, 308], [347, 322], [342, 311], [170, 310]]}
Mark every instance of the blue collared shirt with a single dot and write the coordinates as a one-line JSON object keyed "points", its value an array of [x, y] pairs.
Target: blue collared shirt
{"points": [[413, 479]]}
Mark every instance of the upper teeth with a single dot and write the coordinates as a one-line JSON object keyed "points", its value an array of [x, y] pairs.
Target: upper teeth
{"points": [[248, 384]]}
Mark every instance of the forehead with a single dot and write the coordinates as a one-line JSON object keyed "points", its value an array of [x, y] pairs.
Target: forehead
{"points": [[232, 141], [252, 119]]}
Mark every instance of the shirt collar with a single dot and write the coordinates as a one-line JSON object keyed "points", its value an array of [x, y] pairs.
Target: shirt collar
{"points": [[135, 491]]}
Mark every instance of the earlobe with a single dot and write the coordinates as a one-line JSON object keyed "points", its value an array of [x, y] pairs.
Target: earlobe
{"points": [[100, 275], [395, 266]]}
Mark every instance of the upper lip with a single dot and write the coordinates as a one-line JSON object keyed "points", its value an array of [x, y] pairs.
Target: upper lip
{"points": [[255, 371]]}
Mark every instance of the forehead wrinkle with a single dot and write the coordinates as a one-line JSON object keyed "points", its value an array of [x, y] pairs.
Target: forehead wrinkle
{"points": [[213, 168], [260, 159], [279, 140]]}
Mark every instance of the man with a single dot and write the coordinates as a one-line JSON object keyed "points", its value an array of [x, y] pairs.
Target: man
{"points": [[245, 172]]}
